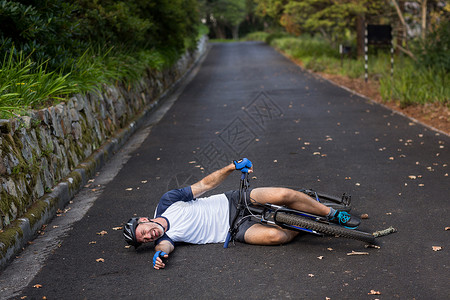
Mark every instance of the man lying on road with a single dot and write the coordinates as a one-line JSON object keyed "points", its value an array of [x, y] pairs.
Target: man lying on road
{"points": [[183, 217]]}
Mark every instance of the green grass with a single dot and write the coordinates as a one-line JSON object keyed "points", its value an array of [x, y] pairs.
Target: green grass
{"points": [[26, 85]]}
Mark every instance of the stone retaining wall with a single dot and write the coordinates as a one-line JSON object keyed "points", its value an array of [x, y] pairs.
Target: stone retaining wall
{"points": [[39, 151]]}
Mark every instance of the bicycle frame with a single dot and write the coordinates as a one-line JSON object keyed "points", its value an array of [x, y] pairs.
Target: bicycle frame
{"points": [[267, 213]]}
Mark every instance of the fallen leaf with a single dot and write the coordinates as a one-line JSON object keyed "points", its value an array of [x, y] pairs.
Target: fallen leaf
{"points": [[358, 253], [117, 228], [23, 297], [100, 260], [37, 286], [128, 189], [128, 246], [311, 275], [320, 257], [143, 181], [103, 232], [447, 228], [372, 246], [364, 216], [412, 177], [357, 184], [92, 242], [192, 162], [437, 248], [373, 292], [330, 249]]}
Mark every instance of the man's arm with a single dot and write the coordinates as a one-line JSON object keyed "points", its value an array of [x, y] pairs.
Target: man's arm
{"points": [[166, 247], [214, 179], [211, 181]]}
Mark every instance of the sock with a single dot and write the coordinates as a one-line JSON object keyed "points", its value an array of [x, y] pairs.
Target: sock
{"points": [[331, 213]]}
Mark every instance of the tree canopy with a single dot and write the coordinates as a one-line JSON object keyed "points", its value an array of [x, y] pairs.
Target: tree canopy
{"points": [[57, 29]]}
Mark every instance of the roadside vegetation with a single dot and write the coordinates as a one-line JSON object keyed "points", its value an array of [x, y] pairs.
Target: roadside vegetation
{"points": [[311, 31], [411, 83], [52, 49]]}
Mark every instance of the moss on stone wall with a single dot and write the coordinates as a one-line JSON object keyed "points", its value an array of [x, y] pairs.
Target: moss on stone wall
{"points": [[40, 150]]}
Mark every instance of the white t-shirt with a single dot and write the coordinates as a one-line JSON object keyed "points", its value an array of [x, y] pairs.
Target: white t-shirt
{"points": [[195, 221]]}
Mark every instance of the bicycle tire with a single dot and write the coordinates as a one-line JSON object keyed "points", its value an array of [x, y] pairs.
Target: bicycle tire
{"points": [[328, 229]]}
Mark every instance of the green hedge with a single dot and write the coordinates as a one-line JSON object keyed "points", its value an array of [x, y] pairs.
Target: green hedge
{"points": [[56, 31]]}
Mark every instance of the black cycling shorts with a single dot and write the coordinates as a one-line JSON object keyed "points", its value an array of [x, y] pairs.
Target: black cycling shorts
{"points": [[233, 199]]}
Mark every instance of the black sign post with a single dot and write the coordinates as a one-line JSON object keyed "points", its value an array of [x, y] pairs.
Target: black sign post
{"points": [[379, 36]]}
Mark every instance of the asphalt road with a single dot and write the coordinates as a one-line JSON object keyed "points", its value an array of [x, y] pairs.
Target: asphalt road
{"points": [[299, 131]]}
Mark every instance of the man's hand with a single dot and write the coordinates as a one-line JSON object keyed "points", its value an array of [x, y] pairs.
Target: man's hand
{"points": [[244, 165], [157, 261]]}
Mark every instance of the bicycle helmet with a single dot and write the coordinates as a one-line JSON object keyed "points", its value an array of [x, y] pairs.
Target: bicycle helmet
{"points": [[129, 232]]}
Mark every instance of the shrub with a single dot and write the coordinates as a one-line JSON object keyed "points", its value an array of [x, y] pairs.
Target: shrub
{"points": [[45, 30], [434, 51]]}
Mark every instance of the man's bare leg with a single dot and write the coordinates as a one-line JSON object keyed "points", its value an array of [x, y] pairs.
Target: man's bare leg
{"points": [[259, 234], [290, 198]]}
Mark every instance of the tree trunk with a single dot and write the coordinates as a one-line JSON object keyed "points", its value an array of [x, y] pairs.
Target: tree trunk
{"points": [[235, 32], [219, 31], [424, 19], [360, 33]]}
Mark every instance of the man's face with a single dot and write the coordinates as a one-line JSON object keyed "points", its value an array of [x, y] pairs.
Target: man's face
{"points": [[148, 232]]}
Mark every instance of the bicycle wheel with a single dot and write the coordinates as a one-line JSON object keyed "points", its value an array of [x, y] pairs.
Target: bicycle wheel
{"points": [[328, 229]]}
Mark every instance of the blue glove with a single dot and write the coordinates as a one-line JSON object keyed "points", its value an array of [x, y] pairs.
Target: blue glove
{"points": [[158, 254], [243, 165]]}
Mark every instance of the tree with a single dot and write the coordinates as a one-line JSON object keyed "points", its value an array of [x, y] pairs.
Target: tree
{"points": [[418, 19], [330, 18], [225, 14]]}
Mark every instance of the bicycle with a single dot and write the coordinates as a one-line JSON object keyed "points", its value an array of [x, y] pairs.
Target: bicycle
{"points": [[295, 219]]}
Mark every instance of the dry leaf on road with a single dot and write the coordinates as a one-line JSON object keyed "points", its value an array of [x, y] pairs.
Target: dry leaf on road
{"points": [[103, 232], [37, 286], [373, 292], [100, 260], [437, 248]]}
